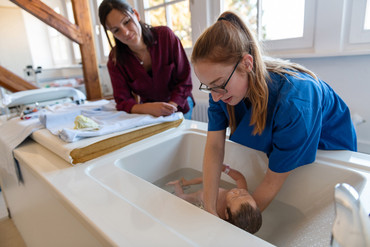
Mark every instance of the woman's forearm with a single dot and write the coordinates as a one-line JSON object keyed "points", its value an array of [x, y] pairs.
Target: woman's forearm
{"points": [[269, 188], [212, 165]]}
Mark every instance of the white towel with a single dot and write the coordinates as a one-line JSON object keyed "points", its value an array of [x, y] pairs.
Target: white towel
{"points": [[53, 117], [13, 133], [111, 122], [61, 123]]}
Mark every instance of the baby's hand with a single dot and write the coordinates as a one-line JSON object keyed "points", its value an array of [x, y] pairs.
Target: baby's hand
{"points": [[174, 182], [183, 182]]}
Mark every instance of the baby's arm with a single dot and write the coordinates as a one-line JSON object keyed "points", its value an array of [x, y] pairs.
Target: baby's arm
{"points": [[193, 181], [241, 183], [193, 198]]}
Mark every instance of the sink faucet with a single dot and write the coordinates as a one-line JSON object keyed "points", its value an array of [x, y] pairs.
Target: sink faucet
{"points": [[351, 225]]}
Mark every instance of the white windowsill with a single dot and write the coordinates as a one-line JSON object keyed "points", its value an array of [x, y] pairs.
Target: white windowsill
{"points": [[308, 54]]}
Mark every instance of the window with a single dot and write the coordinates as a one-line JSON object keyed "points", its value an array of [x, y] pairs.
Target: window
{"points": [[64, 51], [59, 45], [75, 46], [282, 19], [283, 24], [103, 43], [172, 13], [287, 28], [367, 16], [360, 22], [245, 9]]}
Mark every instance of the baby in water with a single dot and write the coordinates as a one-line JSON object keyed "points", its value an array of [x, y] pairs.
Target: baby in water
{"points": [[236, 206]]}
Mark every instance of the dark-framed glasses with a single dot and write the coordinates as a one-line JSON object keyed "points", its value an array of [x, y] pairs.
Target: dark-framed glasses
{"points": [[219, 89]]}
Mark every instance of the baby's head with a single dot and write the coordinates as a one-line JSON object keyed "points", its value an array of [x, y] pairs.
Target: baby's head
{"points": [[242, 210]]}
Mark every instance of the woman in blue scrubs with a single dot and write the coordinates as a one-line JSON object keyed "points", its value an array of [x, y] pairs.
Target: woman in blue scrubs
{"points": [[271, 105]]}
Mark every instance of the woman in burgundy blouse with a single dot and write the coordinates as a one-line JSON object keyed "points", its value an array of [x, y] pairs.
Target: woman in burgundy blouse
{"points": [[148, 62]]}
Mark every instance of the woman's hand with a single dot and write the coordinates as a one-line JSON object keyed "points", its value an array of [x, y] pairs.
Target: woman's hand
{"points": [[173, 103], [156, 109]]}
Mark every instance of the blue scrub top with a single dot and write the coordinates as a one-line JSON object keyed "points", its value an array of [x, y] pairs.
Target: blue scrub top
{"points": [[303, 115]]}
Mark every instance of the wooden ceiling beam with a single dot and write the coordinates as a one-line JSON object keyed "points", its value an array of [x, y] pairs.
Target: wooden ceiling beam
{"points": [[81, 11], [12, 82], [51, 18]]}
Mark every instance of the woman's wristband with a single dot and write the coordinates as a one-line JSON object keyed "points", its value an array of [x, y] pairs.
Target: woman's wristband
{"points": [[227, 169]]}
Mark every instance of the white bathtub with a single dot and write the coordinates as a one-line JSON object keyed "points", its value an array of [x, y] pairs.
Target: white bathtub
{"points": [[301, 215], [115, 201]]}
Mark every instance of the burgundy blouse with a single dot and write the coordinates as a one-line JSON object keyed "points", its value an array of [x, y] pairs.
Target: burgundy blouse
{"points": [[170, 78]]}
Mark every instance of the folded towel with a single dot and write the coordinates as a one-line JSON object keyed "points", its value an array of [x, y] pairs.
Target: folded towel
{"points": [[111, 122], [59, 116], [61, 123]]}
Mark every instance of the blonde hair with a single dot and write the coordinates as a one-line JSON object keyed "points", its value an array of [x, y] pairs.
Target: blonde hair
{"points": [[227, 41]]}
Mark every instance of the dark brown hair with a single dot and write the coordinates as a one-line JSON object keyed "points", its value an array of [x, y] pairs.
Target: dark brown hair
{"points": [[247, 218], [120, 48]]}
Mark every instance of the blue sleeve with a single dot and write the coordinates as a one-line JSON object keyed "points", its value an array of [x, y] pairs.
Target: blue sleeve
{"points": [[217, 117], [296, 133]]}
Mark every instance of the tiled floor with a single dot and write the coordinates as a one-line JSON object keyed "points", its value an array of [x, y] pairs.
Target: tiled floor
{"points": [[9, 234]]}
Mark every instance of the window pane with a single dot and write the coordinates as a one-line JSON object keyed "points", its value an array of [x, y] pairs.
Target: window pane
{"points": [[71, 18], [245, 9], [75, 46], [59, 49], [180, 22], [106, 46], [367, 15], [156, 17], [58, 44], [282, 19], [76, 51], [151, 3]]}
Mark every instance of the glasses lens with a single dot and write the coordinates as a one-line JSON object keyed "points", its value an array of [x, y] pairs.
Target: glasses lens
{"points": [[207, 89], [204, 88], [219, 90]]}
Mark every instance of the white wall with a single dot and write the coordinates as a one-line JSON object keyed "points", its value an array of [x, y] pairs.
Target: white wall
{"points": [[14, 47], [349, 76]]}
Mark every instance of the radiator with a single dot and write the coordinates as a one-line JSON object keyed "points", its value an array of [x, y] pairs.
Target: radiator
{"points": [[200, 111]]}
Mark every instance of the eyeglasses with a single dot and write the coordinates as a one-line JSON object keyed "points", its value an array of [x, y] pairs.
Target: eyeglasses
{"points": [[219, 89]]}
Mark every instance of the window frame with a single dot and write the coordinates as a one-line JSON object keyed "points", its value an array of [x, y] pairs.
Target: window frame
{"points": [[56, 35], [139, 5], [164, 5], [358, 34], [304, 42], [336, 35]]}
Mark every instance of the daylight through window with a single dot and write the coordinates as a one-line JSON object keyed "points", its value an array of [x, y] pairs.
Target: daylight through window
{"points": [[283, 19], [367, 16], [172, 13]]}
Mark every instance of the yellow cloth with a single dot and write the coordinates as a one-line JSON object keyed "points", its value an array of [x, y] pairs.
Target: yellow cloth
{"points": [[82, 122]]}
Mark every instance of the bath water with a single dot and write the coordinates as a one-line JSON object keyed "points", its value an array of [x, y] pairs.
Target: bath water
{"points": [[187, 173], [282, 224], [285, 225]]}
